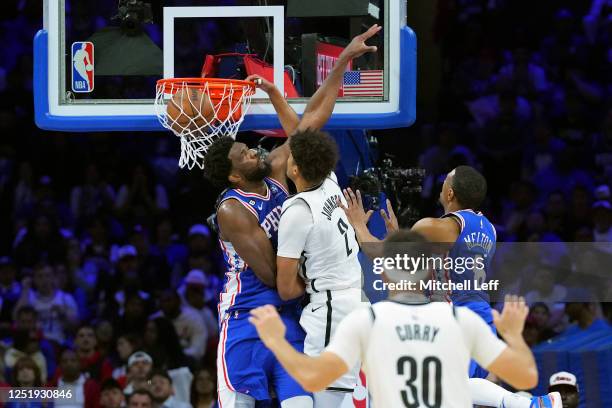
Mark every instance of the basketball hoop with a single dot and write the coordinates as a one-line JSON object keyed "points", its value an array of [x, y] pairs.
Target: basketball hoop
{"points": [[201, 110]]}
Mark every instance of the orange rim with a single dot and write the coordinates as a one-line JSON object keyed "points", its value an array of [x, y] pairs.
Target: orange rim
{"points": [[170, 84]]}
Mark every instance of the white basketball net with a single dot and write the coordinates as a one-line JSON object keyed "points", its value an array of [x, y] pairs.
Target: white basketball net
{"points": [[197, 132]]}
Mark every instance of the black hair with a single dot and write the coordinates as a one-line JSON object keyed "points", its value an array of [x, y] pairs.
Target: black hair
{"points": [[110, 384], [469, 186], [315, 154], [160, 373], [405, 242], [27, 309], [140, 391], [217, 165]]}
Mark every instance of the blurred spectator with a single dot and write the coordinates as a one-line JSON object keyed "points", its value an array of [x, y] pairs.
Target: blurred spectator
{"points": [[539, 316], [105, 337], [40, 242], [9, 292], [27, 320], [528, 77], [26, 373], [545, 290], [168, 245], [143, 198], [111, 395], [197, 292], [584, 317], [140, 398], [124, 283], [92, 196], [602, 222], [25, 346], [140, 365], [163, 391], [135, 315], [57, 310], [522, 197], [92, 362], [203, 393], [127, 344], [23, 201], [162, 342], [188, 323], [153, 270], [565, 384], [85, 391]]}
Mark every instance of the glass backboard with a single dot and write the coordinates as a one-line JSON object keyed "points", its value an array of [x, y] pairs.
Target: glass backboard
{"points": [[96, 63]]}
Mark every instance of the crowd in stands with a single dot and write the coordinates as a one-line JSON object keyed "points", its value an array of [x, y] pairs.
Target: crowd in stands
{"points": [[109, 276]]}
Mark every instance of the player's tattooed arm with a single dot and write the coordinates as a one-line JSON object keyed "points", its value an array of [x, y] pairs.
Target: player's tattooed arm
{"points": [[239, 226], [288, 282], [313, 373]]}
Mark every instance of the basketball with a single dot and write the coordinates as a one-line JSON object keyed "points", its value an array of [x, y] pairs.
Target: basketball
{"points": [[189, 109]]}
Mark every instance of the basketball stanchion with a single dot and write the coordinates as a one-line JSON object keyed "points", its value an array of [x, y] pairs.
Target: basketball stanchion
{"points": [[201, 110]]}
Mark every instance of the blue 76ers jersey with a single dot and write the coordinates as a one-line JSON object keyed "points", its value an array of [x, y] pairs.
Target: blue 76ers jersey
{"points": [[242, 289], [476, 240]]}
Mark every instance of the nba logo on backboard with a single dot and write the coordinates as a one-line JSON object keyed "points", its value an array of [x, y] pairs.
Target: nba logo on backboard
{"points": [[82, 66]]}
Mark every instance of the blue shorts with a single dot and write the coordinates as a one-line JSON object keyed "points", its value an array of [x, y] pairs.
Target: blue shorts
{"points": [[483, 310], [246, 366]]}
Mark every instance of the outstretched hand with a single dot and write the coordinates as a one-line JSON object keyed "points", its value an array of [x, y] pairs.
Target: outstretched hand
{"points": [[354, 208], [357, 47], [512, 318], [261, 83], [269, 325], [391, 224]]}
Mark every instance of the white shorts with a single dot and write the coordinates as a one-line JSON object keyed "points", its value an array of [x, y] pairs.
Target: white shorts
{"points": [[321, 317]]}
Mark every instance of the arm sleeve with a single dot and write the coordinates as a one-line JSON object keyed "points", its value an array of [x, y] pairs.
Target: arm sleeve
{"points": [[483, 344], [349, 341], [293, 229]]}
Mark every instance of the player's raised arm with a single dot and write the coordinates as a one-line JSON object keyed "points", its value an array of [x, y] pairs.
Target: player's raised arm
{"points": [[289, 120], [513, 361], [321, 104], [238, 226], [313, 373]]}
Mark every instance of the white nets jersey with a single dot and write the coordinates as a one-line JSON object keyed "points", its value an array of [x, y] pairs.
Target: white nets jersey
{"points": [[416, 355], [329, 258]]}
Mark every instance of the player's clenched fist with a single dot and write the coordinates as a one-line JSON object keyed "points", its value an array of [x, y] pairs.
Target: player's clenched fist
{"points": [[268, 323]]}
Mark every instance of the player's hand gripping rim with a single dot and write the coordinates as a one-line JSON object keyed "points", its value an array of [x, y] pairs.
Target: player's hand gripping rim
{"points": [[261, 83]]}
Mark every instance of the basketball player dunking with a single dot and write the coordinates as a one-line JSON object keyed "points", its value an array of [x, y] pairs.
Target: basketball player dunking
{"points": [[415, 352], [472, 235], [248, 214]]}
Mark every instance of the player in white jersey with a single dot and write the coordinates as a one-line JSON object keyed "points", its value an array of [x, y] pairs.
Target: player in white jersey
{"points": [[414, 352], [317, 252]]}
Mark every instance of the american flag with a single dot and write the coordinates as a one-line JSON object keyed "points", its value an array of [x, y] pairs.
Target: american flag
{"points": [[363, 83]]}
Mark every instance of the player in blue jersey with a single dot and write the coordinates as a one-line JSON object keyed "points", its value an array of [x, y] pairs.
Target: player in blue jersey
{"points": [[469, 235], [247, 218]]}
